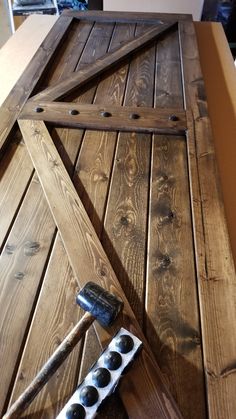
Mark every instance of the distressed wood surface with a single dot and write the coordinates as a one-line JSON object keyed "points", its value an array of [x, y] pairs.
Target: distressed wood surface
{"points": [[68, 145], [109, 118], [151, 208], [172, 322], [216, 272], [50, 367], [23, 88], [128, 17], [77, 80], [80, 238]]}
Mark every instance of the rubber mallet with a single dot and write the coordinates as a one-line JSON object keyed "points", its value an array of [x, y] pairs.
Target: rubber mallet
{"points": [[100, 305]]}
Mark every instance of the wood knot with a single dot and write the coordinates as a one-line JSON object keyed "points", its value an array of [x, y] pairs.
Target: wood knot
{"points": [[165, 262], [124, 221], [10, 248], [167, 218], [19, 275], [31, 248], [102, 273]]}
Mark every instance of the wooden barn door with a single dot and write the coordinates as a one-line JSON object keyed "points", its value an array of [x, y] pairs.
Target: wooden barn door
{"points": [[110, 125]]}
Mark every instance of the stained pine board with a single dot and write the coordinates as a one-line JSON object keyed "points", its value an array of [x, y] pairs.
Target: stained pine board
{"points": [[93, 173], [128, 17], [168, 90], [22, 89], [15, 173], [109, 118], [126, 213], [68, 142], [22, 264], [71, 49], [216, 272], [76, 80], [80, 238], [59, 283], [172, 323]]}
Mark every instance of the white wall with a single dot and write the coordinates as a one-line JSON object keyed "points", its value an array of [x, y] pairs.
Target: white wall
{"points": [[193, 7]]}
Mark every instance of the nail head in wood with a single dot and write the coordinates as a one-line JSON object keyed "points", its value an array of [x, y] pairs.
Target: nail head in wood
{"points": [[134, 116], [173, 118], [74, 112], [38, 109], [105, 114]]}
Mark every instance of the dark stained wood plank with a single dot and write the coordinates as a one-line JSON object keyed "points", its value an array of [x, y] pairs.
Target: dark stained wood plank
{"points": [[124, 237], [109, 118], [15, 172], [92, 179], [77, 80], [68, 144], [172, 325], [60, 283], [168, 86], [70, 53], [80, 238], [128, 17], [50, 399], [95, 161], [23, 88], [22, 264], [216, 273]]}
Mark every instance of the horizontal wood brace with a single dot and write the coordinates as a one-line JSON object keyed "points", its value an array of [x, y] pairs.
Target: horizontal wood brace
{"points": [[127, 17], [110, 118]]}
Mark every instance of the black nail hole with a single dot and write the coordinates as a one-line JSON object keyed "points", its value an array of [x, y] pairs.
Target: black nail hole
{"points": [[105, 114], [134, 116], [74, 112], [38, 109], [173, 118]]}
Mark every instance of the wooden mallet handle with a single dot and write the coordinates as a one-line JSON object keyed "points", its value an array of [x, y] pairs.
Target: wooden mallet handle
{"points": [[100, 305], [51, 366]]}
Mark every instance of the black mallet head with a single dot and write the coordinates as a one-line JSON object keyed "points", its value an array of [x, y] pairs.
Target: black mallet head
{"points": [[103, 305]]}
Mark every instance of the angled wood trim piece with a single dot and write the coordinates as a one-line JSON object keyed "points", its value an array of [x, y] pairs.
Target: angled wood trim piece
{"points": [[110, 59], [111, 118], [127, 17], [25, 85], [142, 398], [215, 267]]}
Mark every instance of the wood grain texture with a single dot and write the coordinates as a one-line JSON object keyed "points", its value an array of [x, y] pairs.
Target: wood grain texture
{"points": [[128, 17], [168, 83], [68, 145], [22, 264], [172, 324], [51, 323], [71, 49], [50, 367], [77, 80], [216, 274], [109, 118], [80, 238], [23, 88], [92, 179], [124, 237], [15, 172]]}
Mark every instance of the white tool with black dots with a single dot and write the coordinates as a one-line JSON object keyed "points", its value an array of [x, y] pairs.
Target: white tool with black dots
{"points": [[103, 377]]}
